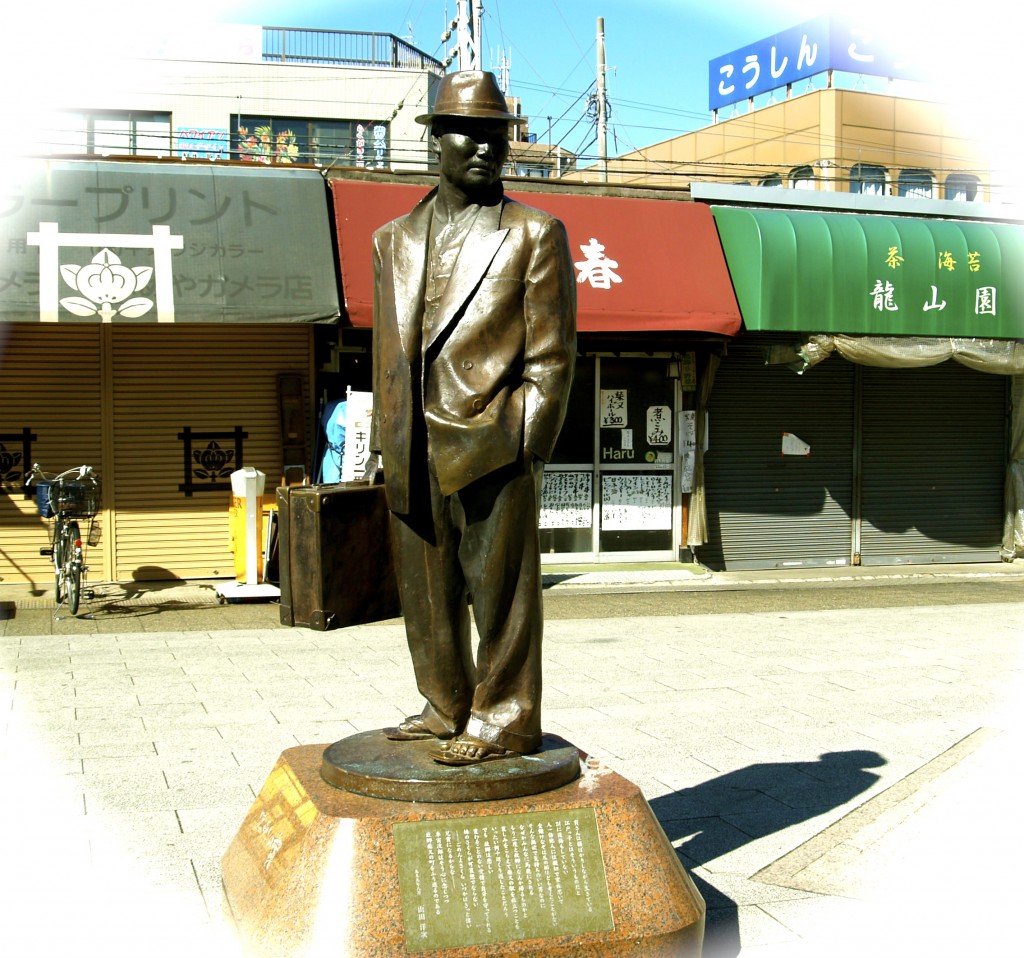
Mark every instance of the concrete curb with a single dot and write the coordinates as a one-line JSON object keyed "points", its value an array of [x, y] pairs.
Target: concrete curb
{"points": [[588, 579]]}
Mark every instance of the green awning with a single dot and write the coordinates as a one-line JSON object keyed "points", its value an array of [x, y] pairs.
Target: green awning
{"points": [[864, 273]]}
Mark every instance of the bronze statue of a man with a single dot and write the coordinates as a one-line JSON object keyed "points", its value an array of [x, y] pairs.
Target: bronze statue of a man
{"points": [[474, 345]]}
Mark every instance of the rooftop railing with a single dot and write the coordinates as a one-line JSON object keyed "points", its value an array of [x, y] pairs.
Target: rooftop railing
{"points": [[345, 48]]}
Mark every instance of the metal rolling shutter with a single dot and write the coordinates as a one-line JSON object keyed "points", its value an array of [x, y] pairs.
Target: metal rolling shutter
{"points": [[766, 510], [50, 383], [210, 379], [934, 462]]}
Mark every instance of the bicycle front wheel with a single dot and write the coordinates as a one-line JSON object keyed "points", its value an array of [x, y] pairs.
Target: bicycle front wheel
{"points": [[73, 567], [60, 549]]}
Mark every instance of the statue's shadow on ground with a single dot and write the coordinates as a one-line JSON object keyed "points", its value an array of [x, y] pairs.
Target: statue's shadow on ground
{"points": [[727, 812]]}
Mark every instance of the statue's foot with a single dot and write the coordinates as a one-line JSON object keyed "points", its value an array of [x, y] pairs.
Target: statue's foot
{"points": [[469, 750], [411, 730]]}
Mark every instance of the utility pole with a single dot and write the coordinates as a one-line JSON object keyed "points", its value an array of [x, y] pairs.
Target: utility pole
{"points": [[469, 33], [504, 72], [602, 106]]}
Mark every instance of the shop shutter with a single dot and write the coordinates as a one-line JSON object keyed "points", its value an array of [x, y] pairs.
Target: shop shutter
{"points": [[210, 380], [766, 509], [934, 459], [50, 385]]}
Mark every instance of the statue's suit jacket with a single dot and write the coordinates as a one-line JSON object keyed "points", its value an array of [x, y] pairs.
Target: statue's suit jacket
{"points": [[493, 377]]}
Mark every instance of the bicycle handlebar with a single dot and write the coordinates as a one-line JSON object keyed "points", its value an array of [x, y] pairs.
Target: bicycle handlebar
{"points": [[83, 472]]}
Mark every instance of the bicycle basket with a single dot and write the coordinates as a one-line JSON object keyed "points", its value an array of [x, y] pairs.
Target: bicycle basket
{"points": [[76, 497], [43, 503]]}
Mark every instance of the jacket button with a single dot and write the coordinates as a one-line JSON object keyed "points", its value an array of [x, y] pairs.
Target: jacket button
{"points": [[467, 364]]}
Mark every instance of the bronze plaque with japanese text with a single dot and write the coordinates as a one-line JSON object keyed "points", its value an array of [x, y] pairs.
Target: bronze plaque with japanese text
{"points": [[475, 881]]}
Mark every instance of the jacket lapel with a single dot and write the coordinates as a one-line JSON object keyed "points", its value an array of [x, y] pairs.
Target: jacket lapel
{"points": [[409, 263], [478, 251]]}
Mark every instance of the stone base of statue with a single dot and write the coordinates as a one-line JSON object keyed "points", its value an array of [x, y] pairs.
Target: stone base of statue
{"points": [[581, 868]]}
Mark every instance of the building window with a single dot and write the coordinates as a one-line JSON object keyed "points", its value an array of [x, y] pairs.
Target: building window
{"points": [[773, 180], [538, 171], [106, 133], [919, 184], [803, 178], [868, 179], [962, 186], [264, 139]]}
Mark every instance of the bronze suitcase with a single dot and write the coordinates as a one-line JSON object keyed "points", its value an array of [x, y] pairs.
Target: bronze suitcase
{"points": [[336, 567]]}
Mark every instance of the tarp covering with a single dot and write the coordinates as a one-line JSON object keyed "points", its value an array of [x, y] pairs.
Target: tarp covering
{"points": [[861, 273], [1001, 356], [641, 264], [108, 241]]}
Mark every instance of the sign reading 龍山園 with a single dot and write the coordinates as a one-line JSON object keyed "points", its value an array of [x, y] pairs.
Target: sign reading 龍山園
{"points": [[803, 51], [882, 275], [112, 242]]}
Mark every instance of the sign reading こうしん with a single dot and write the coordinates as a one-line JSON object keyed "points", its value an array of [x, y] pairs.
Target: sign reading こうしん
{"points": [[816, 46]]}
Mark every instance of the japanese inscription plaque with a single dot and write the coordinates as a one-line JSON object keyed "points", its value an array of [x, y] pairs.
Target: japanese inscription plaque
{"points": [[501, 878]]}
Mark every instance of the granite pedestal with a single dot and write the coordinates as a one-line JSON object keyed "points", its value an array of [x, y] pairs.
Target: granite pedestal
{"points": [[580, 870]]}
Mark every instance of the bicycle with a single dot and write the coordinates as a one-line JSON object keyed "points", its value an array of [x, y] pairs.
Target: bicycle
{"points": [[66, 498]]}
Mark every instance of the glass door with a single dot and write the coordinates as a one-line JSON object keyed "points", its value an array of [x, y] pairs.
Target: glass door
{"points": [[636, 458], [609, 492]]}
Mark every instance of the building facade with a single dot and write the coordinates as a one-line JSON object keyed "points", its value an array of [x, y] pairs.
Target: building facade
{"points": [[704, 420], [829, 140]]}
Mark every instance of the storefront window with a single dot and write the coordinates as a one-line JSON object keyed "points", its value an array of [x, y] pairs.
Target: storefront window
{"points": [[621, 412], [636, 453], [567, 505], [264, 139]]}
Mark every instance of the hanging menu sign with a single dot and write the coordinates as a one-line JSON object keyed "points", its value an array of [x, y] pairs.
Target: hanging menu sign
{"points": [[479, 881]]}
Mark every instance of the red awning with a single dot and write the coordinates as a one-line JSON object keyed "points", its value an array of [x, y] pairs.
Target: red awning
{"points": [[641, 264]]}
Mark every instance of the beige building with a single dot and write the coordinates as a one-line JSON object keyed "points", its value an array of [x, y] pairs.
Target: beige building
{"points": [[829, 139]]}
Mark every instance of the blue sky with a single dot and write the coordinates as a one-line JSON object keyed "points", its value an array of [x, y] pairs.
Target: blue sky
{"points": [[657, 51]]}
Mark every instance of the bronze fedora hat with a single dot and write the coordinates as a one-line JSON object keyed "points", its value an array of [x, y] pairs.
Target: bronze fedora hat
{"points": [[471, 93]]}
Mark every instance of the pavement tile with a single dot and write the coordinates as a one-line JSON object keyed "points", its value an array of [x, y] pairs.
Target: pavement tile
{"points": [[732, 759], [132, 729]]}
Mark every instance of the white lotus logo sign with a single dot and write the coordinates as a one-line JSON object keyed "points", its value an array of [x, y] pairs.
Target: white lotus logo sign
{"points": [[104, 283]]}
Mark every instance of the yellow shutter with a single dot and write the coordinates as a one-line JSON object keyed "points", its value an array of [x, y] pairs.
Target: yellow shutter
{"points": [[50, 384], [210, 379]]}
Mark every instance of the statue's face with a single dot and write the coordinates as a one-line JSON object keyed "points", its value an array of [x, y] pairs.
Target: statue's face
{"points": [[471, 152]]}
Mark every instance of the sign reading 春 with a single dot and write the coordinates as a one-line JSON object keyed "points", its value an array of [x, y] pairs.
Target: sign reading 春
{"points": [[596, 268], [824, 43]]}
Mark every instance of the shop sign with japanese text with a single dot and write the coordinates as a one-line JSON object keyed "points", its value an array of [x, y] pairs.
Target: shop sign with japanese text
{"points": [[113, 242], [824, 43]]}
